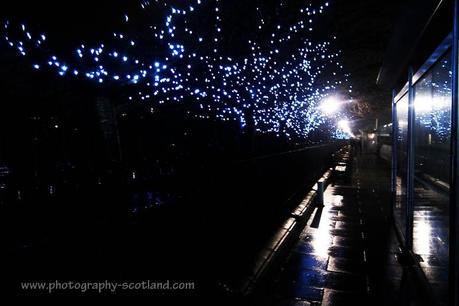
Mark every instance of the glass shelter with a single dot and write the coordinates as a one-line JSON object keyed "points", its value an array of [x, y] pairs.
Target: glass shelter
{"points": [[424, 181]]}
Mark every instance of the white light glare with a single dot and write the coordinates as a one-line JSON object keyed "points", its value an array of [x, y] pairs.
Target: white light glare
{"points": [[344, 126], [330, 105]]}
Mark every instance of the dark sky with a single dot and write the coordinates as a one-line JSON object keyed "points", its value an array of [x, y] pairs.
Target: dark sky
{"points": [[364, 28]]}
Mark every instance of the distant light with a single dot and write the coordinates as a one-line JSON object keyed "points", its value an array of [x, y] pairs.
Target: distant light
{"points": [[330, 105], [36, 66]]}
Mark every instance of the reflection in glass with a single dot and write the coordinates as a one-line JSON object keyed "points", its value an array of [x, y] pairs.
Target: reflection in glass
{"points": [[432, 132]]}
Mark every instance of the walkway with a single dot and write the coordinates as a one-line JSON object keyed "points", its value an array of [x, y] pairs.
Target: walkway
{"points": [[347, 252]]}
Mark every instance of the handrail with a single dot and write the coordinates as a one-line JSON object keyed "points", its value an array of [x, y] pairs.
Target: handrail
{"points": [[284, 153]]}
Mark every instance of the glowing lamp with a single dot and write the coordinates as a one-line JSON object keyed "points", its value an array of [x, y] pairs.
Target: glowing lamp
{"points": [[330, 105]]}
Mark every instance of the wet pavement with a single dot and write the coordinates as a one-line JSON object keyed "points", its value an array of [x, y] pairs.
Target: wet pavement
{"points": [[347, 253], [431, 237]]}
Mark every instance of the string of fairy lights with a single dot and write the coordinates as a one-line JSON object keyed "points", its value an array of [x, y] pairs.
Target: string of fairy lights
{"points": [[276, 86]]}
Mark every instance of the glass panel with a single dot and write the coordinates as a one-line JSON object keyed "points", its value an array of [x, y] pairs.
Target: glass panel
{"points": [[432, 166], [400, 203]]}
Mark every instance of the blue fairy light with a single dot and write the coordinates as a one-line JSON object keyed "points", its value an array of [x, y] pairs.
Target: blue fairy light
{"points": [[275, 86]]}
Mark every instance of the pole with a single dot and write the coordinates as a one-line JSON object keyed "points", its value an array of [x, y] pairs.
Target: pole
{"points": [[394, 156], [410, 165], [454, 212]]}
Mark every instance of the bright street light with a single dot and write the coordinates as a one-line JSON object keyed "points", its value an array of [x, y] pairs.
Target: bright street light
{"points": [[330, 105]]}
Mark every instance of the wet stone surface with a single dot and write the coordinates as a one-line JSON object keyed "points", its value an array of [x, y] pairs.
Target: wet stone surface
{"points": [[346, 255]]}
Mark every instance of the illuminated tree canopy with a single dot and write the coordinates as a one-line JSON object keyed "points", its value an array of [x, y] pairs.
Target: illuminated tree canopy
{"points": [[267, 69]]}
